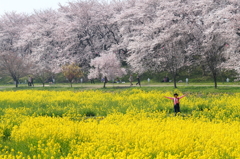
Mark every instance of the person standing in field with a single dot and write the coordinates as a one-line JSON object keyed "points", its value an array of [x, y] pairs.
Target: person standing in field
{"points": [[131, 80], [92, 81], [105, 81], [32, 81], [138, 81], [29, 81], [176, 102]]}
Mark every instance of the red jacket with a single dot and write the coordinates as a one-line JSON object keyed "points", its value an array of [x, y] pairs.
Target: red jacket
{"points": [[175, 100]]}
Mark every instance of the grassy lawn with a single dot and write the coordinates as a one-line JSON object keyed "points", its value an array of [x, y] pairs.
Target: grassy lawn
{"points": [[183, 87]]}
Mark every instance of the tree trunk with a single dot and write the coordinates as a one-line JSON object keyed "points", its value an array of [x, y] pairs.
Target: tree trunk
{"points": [[16, 84], [175, 83], [104, 85], [215, 80], [203, 70], [174, 80], [43, 84], [71, 84]]}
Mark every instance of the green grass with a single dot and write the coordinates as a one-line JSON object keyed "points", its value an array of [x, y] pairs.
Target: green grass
{"points": [[196, 89], [190, 88]]}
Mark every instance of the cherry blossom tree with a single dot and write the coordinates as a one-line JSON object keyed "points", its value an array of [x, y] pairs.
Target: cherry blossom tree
{"points": [[14, 65], [218, 19], [157, 29], [40, 40], [42, 73], [107, 65], [13, 61], [214, 56], [86, 30], [173, 57], [167, 21], [11, 25]]}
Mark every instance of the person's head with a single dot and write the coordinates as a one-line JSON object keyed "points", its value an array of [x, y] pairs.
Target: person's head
{"points": [[175, 95]]}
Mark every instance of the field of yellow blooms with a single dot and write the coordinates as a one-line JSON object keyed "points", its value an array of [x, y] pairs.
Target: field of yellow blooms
{"points": [[131, 124]]}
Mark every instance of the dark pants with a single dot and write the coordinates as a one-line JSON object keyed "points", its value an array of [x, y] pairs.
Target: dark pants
{"points": [[138, 82], [176, 108]]}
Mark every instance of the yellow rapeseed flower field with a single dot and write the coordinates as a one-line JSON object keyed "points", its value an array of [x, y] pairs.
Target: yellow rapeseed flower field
{"points": [[130, 124]]}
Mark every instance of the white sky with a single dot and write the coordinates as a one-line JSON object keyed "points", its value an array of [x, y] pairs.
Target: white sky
{"points": [[28, 6]]}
